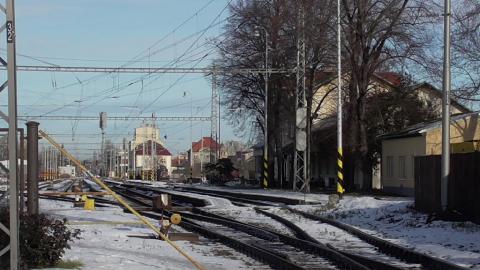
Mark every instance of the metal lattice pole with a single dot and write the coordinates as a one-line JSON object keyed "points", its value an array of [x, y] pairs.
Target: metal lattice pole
{"points": [[301, 181], [214, 117]]}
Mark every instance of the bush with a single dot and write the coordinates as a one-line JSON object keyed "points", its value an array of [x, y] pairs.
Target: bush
{"points": [[43, 240]]}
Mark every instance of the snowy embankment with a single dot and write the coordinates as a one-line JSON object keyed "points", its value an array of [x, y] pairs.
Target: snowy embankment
{"points": [[395, 220], [107, 243]]}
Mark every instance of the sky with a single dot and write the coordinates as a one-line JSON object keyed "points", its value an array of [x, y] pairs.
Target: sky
{"points": [[111, 33]]}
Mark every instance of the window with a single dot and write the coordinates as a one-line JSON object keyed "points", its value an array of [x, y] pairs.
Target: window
{"points": [[389, 166], [402, 168]]}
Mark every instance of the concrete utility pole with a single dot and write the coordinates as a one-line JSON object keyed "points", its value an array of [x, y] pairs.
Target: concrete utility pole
{"points": [[340, 183], [265, 181], [32, 170], [446, 107], [12, 134]]}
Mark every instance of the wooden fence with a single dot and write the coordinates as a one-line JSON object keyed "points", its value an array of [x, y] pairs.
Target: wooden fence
{"points": [[463, 184]]}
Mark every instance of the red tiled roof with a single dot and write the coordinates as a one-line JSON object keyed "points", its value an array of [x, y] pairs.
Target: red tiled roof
{"points": [[392, 77], [161, 151], [206, 142]]}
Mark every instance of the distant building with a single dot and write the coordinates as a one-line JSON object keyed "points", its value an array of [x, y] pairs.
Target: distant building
{"points": [[148, 158], [244, 162], [323, 152], [65, 171], [231, 148], [204, 151], [152, 156], [179, 165]]}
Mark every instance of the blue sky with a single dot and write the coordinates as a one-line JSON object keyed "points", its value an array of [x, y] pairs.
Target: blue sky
{"points": [[110, 33]]}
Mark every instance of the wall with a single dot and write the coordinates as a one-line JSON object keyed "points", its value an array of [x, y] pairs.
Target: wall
{"points": [[396, 148], [146, 133], [148, 162], [462, 130], [463, 185]]}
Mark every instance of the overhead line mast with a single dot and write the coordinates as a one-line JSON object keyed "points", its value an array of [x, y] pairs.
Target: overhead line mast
{"points": [[301, 166]]}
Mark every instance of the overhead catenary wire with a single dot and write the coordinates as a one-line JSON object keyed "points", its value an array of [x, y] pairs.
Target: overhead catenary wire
{"points": [[130, 61], [124, 86]]}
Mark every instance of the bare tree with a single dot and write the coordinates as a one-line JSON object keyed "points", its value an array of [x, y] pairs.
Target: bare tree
{"points": [[379, 35], [250, 24], [466, 50]]}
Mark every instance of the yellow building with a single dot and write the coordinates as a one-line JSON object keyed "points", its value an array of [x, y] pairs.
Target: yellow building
{"points": [[400, 148], [324, 110]]}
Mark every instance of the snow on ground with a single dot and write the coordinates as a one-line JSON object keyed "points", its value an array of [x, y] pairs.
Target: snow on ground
{"points": [[395, 220], [327, 234], [250, 216], [108, 246]]}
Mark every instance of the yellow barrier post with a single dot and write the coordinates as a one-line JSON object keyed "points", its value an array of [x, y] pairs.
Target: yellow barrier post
{"points": [[89, 204], [119, 199]]}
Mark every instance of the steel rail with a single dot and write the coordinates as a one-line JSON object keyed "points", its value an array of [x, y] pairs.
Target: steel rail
{"points": [[392, 249], [200, 215], [370, 263], [252, 197]]}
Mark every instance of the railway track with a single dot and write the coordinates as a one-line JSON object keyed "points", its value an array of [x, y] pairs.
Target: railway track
{"points": [[278, 250], [255, 199], [282, 251], [346, 244], [389, 248]]}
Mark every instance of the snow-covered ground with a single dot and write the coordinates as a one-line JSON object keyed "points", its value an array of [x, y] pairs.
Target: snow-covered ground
{"points": [[109, 246], [390, 218], [395, 220]]}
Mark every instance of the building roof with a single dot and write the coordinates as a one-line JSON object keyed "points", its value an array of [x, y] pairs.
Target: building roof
{"points": [[435, 91], [420, 128], [394, 79], [161, 151], [205, 143]]}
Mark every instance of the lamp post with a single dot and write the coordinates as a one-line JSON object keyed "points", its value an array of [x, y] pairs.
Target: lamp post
{"points": [[265, 146]]}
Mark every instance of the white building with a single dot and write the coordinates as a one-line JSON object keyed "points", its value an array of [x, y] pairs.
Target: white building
{"points": [[66, 170], [149, 159]]}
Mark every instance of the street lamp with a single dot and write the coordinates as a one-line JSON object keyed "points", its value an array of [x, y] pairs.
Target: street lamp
{"points": [[191, 136], [265, 141]]}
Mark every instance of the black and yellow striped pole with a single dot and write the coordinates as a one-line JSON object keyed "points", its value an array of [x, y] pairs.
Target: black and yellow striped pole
{"points": [[265, 168], [340, 182]]}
